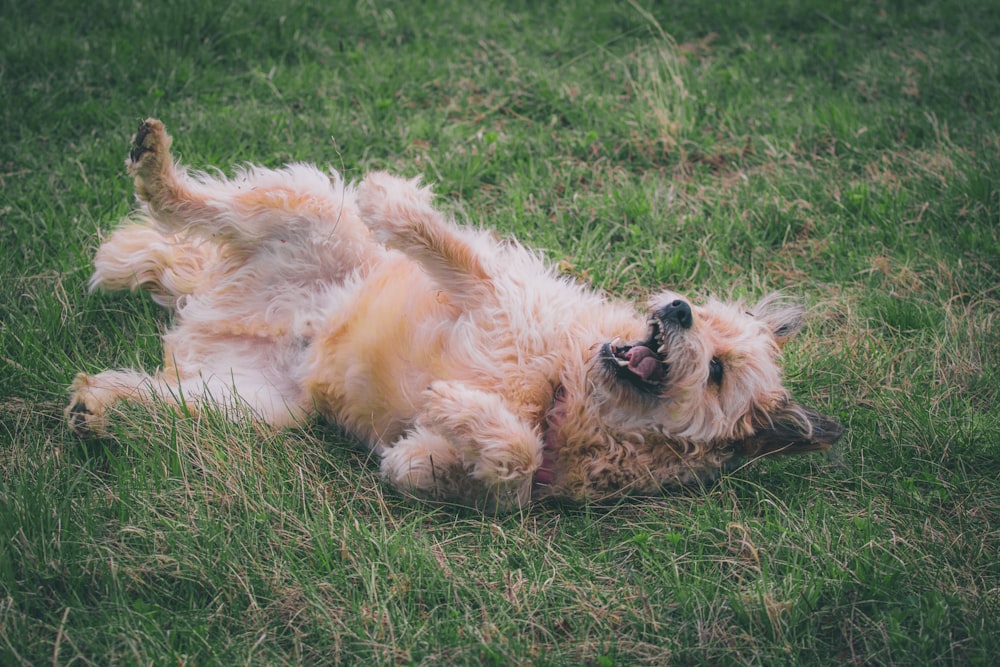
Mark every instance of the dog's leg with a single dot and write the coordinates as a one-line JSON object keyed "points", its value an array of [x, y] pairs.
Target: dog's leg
{"points": [[497, 447], [138, 256], [400, 214], [165, 186], [426, 464], [245, 373], [256, 206], [467, 444], [93, 397], [423, 463]]}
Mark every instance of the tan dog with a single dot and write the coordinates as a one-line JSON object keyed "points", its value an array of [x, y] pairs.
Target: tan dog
{"points": [[473, 371]]}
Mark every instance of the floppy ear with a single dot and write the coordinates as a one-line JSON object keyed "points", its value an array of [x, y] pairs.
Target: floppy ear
{"points": [[784, 317], [794, 429]]}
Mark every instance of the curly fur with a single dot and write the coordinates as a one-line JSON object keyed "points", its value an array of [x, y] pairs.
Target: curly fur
{"points": [[471, 368]]}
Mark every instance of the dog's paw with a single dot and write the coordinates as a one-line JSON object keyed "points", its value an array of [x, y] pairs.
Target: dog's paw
{"points": [[390, 205], [422, 463], [426, 465], [86, 413], [498, 447], [149, 144]]}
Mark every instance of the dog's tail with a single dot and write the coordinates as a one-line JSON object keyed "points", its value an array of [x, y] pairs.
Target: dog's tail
{"points": [[138, 256]]}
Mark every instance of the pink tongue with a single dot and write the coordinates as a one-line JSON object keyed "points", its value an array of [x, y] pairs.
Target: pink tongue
{"points": [[643, 362]]}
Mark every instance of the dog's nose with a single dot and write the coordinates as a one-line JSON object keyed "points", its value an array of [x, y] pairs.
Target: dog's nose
{"points": [[677, 311]]}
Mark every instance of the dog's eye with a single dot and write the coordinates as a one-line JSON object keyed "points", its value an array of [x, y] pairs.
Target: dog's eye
{"points": [[715, 371]]}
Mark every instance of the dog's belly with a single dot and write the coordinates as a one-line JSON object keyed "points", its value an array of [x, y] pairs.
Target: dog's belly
{"points": [[384, 344]]}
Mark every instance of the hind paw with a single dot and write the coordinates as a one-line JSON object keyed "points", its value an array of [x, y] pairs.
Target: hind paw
{"points": [[391, 206], [149, 143], [85, 413]]}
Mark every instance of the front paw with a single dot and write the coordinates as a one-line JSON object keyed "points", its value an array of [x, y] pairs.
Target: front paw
{"points": [[426, 465], [497, 446], [422, 463]]}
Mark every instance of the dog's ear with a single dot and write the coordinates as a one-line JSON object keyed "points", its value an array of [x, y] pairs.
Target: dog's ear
{"points": [[783, 316], [793, 429]]}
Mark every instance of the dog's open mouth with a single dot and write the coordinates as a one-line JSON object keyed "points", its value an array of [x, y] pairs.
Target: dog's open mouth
{"points": [[642, 365]]}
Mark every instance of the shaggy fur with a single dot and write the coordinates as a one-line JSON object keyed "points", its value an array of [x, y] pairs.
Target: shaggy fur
{"points": [[472, 370]]}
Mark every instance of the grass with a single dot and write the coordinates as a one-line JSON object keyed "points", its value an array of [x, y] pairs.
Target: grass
{"points": [[847, 154]]}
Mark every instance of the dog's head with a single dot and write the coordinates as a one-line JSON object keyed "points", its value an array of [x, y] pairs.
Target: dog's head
{"points": [[701, 386], [709, 373]]}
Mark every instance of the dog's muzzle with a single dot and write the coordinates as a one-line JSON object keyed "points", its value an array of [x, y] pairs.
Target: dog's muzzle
{"points": [[676, 312], [643, 364]]}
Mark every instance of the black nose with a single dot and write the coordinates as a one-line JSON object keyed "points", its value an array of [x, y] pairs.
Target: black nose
{"points": [[678, 312]]}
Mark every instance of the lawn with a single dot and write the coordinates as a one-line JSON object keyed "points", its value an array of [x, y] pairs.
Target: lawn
{"points": [[847, 154]]}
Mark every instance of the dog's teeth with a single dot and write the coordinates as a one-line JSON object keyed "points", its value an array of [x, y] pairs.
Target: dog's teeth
{"points": [[622, 362]]}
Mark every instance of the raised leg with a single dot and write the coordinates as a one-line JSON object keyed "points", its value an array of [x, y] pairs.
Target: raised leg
{"points": [[257, 205], [400, 214]]}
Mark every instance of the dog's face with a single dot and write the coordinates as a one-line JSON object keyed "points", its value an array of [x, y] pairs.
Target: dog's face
{"points": [[708, 375]]}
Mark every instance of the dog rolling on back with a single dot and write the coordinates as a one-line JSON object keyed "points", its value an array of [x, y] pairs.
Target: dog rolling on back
{"points": [[476, 373]]}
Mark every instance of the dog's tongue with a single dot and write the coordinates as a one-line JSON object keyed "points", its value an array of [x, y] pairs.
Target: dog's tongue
{"points": [[643, 362]]}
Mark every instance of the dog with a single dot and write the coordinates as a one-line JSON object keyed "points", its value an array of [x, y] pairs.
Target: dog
{"points": [[475, 372]]}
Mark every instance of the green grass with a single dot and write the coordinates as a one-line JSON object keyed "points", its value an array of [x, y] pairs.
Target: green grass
{"points": [[847, 154]]}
